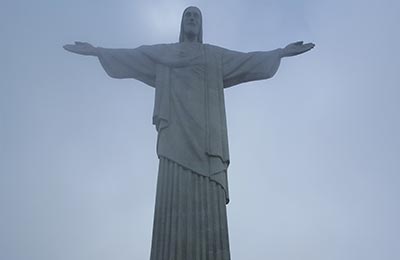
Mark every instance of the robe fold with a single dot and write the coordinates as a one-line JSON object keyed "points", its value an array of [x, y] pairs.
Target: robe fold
{"points": [[189, 108], [189, 116]]}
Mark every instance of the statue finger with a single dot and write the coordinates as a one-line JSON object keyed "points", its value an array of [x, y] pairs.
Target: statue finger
{"points": [[309, 46], [299, 43], [68, 47], [72, 48]]}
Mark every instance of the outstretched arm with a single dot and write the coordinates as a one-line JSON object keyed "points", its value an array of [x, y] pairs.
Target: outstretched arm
{"points": [[239, 67], [121, 63], [296, 48], [82, 48]]}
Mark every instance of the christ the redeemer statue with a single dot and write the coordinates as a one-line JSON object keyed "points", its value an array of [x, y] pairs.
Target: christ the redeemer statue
{"points": [[189, 78]]}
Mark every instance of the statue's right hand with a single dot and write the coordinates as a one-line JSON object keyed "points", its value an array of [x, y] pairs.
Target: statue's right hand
{"points": [[82, 48]]}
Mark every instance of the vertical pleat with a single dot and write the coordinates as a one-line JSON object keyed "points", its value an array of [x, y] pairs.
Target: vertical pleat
{"points": [[190, 220]]}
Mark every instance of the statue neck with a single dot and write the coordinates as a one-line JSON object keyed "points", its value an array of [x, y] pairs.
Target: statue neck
{"points": [[190, 37]]}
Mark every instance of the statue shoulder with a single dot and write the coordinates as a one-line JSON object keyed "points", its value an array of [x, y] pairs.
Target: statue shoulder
{"points": [[215, 50]]}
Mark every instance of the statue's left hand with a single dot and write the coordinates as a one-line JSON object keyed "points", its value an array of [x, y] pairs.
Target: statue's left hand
{"points": [[296, 48], [82, 48]]}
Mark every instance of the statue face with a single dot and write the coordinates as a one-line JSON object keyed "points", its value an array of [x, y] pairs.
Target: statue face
{"points": [[192, 21]]}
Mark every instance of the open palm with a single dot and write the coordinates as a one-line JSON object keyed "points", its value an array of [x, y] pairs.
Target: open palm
{"points": [[82, 48], [297, 48]]}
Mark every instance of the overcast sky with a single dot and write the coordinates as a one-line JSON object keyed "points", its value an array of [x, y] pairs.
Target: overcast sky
{"points": [[315, 151]]}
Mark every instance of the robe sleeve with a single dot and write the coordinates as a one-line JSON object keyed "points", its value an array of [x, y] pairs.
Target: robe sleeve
{"points": [[240, 67], [129, 63]]}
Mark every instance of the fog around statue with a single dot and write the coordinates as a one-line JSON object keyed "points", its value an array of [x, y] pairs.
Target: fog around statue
{"points": [[189, 78]]}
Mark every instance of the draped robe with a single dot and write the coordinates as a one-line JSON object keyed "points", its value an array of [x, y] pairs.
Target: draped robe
{"points": [[189, 116]]}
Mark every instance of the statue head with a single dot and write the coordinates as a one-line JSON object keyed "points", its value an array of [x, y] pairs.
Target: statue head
{"points": [[191, 25]]}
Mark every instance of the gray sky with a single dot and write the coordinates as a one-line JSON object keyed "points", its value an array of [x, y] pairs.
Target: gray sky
{"points": [[315, 150]]}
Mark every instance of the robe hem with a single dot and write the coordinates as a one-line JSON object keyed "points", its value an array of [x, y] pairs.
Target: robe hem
{"points": [[208, 176]]}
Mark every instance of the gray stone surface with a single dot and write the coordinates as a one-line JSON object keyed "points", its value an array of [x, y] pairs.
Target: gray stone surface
{"points": [[189, 78]]}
